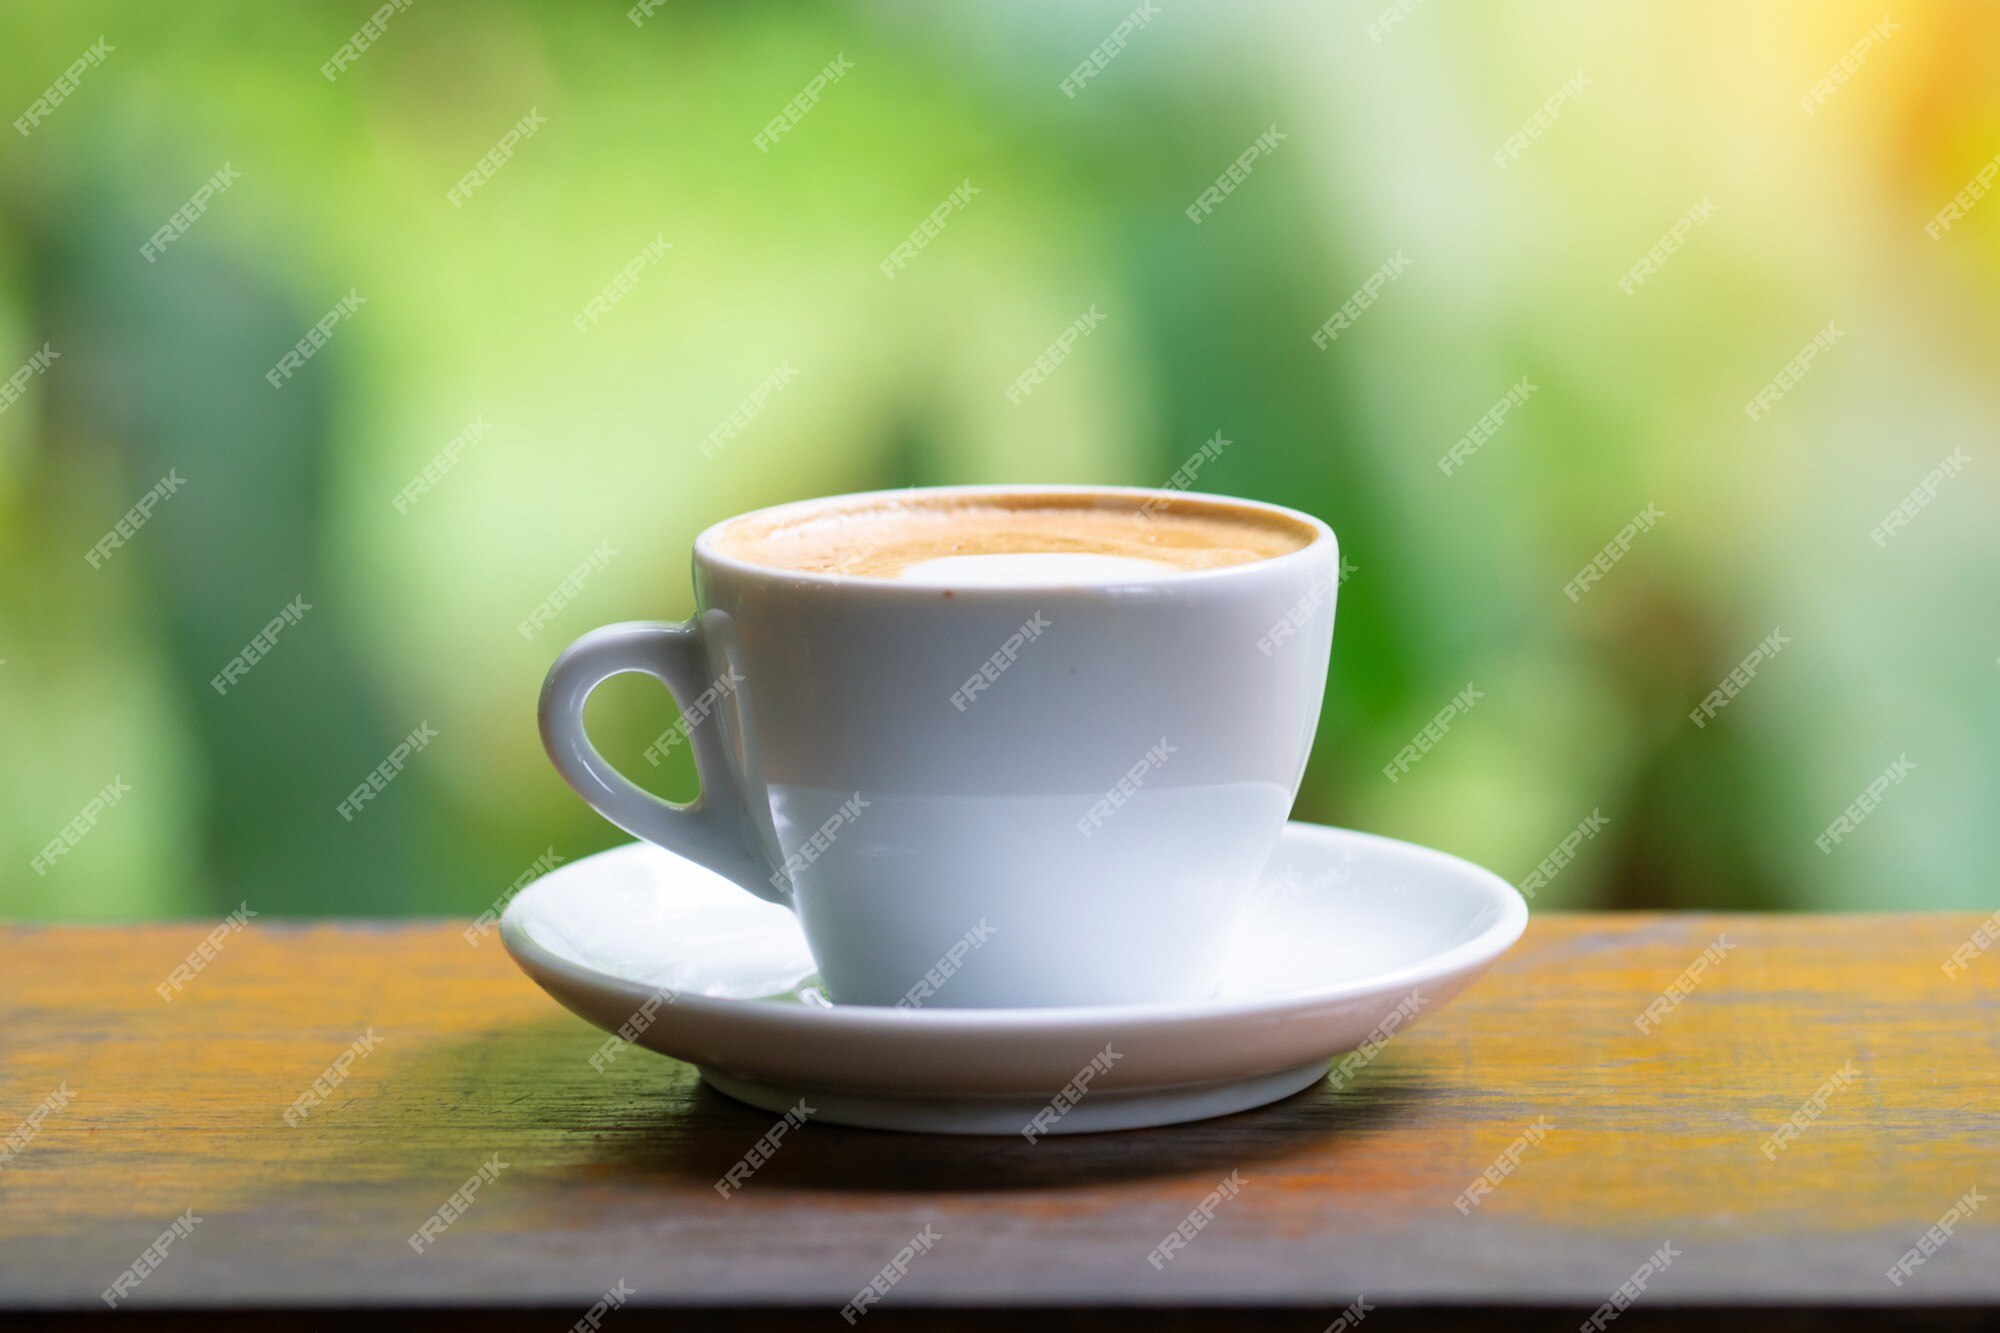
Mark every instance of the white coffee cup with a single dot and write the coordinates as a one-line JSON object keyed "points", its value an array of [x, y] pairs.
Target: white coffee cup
{"points": [[1013, 794]]}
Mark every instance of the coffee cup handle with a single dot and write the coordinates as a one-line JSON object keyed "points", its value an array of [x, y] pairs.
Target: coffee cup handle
{"points": [[714, 830]]}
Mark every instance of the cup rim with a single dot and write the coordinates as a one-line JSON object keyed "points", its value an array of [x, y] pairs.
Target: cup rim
{"points": [[707, 554]]}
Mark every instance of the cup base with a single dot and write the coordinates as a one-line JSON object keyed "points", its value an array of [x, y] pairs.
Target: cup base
{"points": [[1097, 1113]]}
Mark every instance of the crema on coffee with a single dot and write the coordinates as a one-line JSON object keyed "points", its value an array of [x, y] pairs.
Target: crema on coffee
{"points": [[1012, 537]]}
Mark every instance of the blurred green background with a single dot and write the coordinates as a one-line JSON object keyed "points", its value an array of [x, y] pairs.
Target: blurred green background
{"points": [[1391, 124]]}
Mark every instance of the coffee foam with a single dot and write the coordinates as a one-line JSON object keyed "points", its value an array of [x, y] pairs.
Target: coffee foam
{"points": [[1012, 538], [1006, 570]]}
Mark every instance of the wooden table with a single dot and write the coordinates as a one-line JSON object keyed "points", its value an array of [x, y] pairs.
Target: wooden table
{"points": [[1622, 1141]]}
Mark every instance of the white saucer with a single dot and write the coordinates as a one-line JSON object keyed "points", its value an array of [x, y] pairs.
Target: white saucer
{"points": [[1352, 938]]}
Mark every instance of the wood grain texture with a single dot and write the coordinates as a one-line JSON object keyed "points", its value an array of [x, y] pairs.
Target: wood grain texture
{"points": [[1650, 1138]]}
